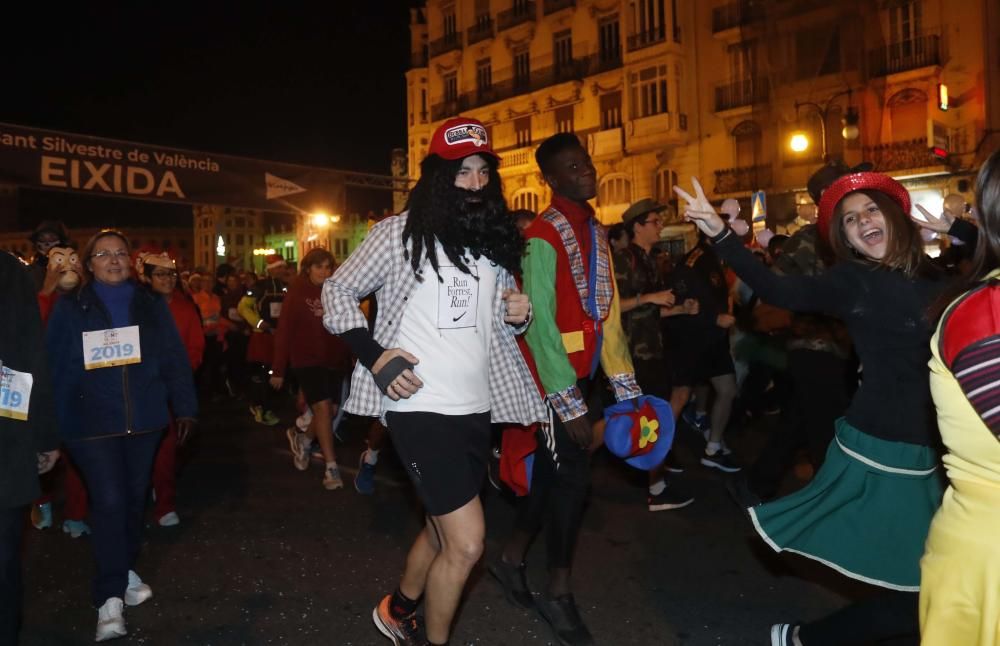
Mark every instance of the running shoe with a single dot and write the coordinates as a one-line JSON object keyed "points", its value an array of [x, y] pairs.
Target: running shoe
{"points": [[169, 519], [41, 515], [364, 481], [514, 581], [408, 631], [567, 625], [75, 528], [783, 635], [720, 461], [110, 620], [332, 479], [299, 443], [670, 498], [137, 591], [697, 421]]}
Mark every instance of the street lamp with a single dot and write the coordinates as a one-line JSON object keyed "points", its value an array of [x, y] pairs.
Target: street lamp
{"points": [[799, 141]]}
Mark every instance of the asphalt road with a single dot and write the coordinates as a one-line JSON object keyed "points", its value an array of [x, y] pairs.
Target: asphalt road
{"points": [[264, 555]]}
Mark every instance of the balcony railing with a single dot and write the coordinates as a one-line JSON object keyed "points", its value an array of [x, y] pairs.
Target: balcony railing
{"points": [[736, 14], [741, 93], [446, 43], [519, 13], [923, 51], [742, 179], [552, 6], [900, 155], [480, 31], [647, 38], [510, 85]]}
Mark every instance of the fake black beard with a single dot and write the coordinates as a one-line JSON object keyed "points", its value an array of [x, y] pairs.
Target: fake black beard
{"points": [[471, 220]]}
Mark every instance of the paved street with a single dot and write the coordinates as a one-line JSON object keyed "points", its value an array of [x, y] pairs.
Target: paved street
{"points": [[264, 555]]}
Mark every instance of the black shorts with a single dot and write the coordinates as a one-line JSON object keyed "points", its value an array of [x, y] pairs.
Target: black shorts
{"points": [[319, 383], [695, 363], [446, 456], [653, 377]]}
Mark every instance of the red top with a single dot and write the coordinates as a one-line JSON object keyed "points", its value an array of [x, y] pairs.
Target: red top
{"points": [[301, 340], [188, 321], [570, 316], [45, 304]]}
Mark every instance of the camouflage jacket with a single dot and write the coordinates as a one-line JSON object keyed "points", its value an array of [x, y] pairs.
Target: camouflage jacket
{"points": [[635, 273]]}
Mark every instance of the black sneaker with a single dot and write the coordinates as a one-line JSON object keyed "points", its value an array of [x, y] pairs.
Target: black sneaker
{"points": [[672, 497], [561, 613], [513, 580], [720, 461]]}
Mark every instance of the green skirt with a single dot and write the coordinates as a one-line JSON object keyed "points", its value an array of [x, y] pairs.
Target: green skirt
{"points": [[866, 513]]}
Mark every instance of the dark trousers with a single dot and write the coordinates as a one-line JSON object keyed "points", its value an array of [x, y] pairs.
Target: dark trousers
{"points": [[560, 478], [210, 376], [819, 395], [235, 360], [117, 472], [887, 615], [11, 527]]}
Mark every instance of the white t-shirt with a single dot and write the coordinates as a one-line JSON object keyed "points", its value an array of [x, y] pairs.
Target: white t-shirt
{"points": [[447, 326]]}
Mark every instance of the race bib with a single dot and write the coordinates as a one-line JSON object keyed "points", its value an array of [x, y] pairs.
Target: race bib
{"points": [[275, 309], [115, 347], [15, 393], [458, 298]]}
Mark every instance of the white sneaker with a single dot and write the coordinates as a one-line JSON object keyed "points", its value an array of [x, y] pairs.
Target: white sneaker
{"points": [[169, 519], [299, 443], [137, 591], [110, 620]]}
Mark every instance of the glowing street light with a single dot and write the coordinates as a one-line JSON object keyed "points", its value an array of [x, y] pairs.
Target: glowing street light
{"points": [[320, 220], [799, 141]]}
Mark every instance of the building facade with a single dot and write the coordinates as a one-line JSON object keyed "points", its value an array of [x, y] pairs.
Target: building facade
{"points": [[226, 235], [660, 90], [177, 241]]}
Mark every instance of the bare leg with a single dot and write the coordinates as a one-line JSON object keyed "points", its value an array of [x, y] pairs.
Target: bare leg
{"points": [[319, 428]]}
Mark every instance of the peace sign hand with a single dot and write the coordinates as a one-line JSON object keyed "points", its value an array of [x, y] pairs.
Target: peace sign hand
{"points": [[938, 224], [699, 210]]}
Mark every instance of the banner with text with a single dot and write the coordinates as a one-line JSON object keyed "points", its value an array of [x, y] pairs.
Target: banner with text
{"points": [[61, 161]]}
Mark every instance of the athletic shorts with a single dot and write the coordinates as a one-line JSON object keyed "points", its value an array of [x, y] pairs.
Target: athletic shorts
{"points": [[319, 383], [695, 363], [446, 456]]}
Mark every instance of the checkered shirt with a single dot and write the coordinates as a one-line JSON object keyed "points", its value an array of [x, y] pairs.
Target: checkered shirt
{"points": [[379, 266]]}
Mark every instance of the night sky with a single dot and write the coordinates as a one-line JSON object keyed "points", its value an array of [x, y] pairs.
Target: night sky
{"points": [[319, 84]]}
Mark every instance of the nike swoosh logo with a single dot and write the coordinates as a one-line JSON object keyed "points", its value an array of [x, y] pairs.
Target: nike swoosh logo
{"points": [[459, 316]]}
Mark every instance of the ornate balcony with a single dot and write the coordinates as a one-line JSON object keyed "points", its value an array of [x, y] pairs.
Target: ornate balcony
{"points": [[521, 12], [646, 38], [900, 155], [480, 31], [552, 6], [743, 179], [904, 55], [744, 92], [736, 14], [446, 43]]}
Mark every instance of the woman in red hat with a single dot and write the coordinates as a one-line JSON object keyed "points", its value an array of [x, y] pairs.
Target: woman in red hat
{"points": [[867, 511], [960, 585]]}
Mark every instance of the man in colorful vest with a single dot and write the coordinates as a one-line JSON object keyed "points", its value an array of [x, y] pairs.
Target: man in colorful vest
{"points": [[569, 278]]}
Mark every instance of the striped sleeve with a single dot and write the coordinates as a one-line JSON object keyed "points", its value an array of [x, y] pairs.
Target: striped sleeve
{"points": [[970, 347]]}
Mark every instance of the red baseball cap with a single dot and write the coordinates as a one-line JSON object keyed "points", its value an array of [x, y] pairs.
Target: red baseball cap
{"points": [[858, 182], [460, 137]]}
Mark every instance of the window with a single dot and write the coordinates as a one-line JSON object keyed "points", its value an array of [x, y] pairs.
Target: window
{"points": [[649, 91], [674, 21], [609, 41], [562, 48], [484, 76], [522, 68], [648, 20], [742, 60], [239, 239], [423, 105], [340, 247], [564, 118], [450, 87], [905, 22], [520, 6], [522, 131], [817, 52], [527, 200], [679, 92], [482, 12], [449, 23], [616, 189], [746, 138], [611, 110], [665, 181]]}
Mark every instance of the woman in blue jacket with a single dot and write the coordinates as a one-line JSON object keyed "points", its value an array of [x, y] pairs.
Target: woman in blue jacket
{"points": [[117, 362]]}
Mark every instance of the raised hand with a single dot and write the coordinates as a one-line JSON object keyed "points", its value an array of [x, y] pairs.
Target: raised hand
{"points": [[700, 211], [937, 224]]}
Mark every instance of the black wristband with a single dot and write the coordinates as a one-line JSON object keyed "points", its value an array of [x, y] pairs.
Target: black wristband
{"points": [[722, 235], [363, 345], [390, 371]]}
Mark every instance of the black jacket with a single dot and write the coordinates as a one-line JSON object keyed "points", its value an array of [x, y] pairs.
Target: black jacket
{"points": [[22, 349]]}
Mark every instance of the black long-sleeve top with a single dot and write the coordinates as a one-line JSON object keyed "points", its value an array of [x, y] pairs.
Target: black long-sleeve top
{"points": [[886, 315]]}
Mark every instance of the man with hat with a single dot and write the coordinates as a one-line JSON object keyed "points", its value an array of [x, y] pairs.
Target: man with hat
{"points": [[643, 302], [261, 308], [442, 362]]}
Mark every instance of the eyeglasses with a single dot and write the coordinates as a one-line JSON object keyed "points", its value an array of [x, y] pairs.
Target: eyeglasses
{"points": [[172, 275], [120, 254]]}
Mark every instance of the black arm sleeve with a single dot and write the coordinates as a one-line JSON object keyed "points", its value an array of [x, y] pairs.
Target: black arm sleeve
{"points": [[363, 345]]}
